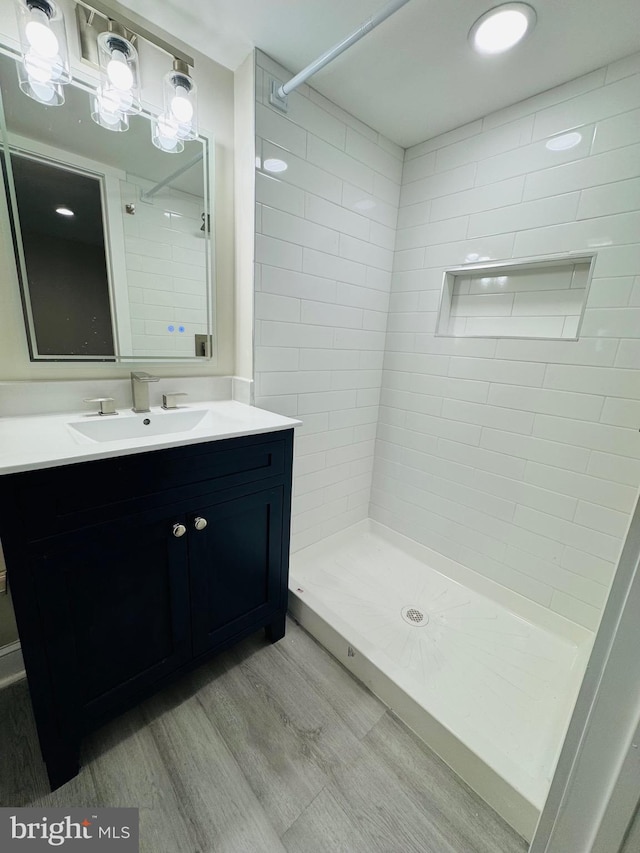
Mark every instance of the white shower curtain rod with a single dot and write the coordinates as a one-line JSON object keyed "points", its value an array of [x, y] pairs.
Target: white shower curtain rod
{"points": [[178, 172], [282, 92]]}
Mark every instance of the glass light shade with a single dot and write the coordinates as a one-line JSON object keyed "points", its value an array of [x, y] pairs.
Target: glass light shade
{"points": [[181, 101], [106, 110], [119, 73], [164, 134], [44, 68]]}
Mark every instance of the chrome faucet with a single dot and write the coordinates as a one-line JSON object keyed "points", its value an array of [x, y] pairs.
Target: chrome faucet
{"points": [[140, 390]]}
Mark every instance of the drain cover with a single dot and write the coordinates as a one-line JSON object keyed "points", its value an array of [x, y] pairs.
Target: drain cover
{"points": [[414, 616]]}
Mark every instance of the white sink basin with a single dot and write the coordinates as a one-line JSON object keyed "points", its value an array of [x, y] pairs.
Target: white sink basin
{"points": [[122, 427]]}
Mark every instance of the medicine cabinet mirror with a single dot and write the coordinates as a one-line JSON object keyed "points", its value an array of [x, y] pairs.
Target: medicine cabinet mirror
{"points": [[111, 235]]}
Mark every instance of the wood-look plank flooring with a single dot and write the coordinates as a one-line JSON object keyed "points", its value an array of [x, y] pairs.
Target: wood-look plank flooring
{"points": [[266, 749], [632, 841]]}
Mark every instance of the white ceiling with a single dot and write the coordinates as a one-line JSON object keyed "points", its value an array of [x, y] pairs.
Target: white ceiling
{"points": [[415, 76]]}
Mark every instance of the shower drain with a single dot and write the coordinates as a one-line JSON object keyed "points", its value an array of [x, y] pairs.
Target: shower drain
{"points": [[415, 617]]}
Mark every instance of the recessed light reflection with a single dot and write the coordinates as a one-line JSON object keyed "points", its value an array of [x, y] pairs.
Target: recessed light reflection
{"points": [[365, 204], [564, 142], [472, 257], [65, 211], [498, 281], [272, 164]]}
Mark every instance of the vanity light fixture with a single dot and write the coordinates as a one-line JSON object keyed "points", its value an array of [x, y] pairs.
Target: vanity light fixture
{"points": [[164, 134], [179, 119], [118, 95], [501, 28], [180, 99], [44, 68], [108, 45], [106, 111]]}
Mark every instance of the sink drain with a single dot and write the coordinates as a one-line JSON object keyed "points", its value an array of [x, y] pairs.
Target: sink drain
{"points": [[414, 616]]}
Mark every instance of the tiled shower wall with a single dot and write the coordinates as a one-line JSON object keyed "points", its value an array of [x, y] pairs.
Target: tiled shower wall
{"points": [[325, 234], [520, 458]]}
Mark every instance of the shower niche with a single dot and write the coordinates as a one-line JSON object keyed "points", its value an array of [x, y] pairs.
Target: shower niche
{"points": [[530, 298]]}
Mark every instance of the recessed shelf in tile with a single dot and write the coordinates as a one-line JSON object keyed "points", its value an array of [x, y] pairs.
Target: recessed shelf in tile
{"points": [[532, 298]]}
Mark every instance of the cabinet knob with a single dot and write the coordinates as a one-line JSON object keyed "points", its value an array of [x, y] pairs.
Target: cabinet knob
{"points": [[179, 530], [200, 523]]}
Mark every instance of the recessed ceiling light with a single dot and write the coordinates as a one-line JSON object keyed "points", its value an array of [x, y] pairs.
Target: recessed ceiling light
{"points": [[501, 28], [562, 143], [64, 211], [273, 164]]}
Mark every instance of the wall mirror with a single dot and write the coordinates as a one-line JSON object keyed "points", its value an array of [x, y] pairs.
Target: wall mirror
{"points": [[111, 235]]}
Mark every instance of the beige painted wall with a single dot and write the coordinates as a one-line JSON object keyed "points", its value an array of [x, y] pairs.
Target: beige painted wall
{"points": [[216, 107], [245, 172]]}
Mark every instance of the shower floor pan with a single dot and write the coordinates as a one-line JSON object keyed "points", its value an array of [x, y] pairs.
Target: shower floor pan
{"points": [[487, 679]]}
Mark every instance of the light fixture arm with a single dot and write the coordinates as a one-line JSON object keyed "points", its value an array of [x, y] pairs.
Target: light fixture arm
{"points": [[278, 97], [181, 66], [114, 10]]}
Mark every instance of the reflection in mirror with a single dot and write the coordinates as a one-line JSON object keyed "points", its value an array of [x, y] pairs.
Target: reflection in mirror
{"points": [[64, 257], [111, 234]]}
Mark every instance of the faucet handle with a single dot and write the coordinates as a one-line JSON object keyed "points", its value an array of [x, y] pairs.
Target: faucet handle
{"points": [[143, 376], [169, 400], [106, 405]]}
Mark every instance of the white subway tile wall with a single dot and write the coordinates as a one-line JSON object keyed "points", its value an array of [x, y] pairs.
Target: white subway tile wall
{"points": [[519, 458], [165, 256], [324, 253]]}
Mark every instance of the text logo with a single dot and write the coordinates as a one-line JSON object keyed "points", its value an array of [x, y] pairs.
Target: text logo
{"points": [[104, 830]]}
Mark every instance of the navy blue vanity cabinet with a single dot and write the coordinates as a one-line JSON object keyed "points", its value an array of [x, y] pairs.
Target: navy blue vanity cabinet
{"points": [[235, 574], [128, 572], [113, 609]]}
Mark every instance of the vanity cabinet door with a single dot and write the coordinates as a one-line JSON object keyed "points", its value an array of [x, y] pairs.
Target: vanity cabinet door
{"points": [[114, 607], [236, 564]]}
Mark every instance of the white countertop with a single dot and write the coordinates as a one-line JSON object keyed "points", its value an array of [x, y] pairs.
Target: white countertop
{"points": [[46, 441]]}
